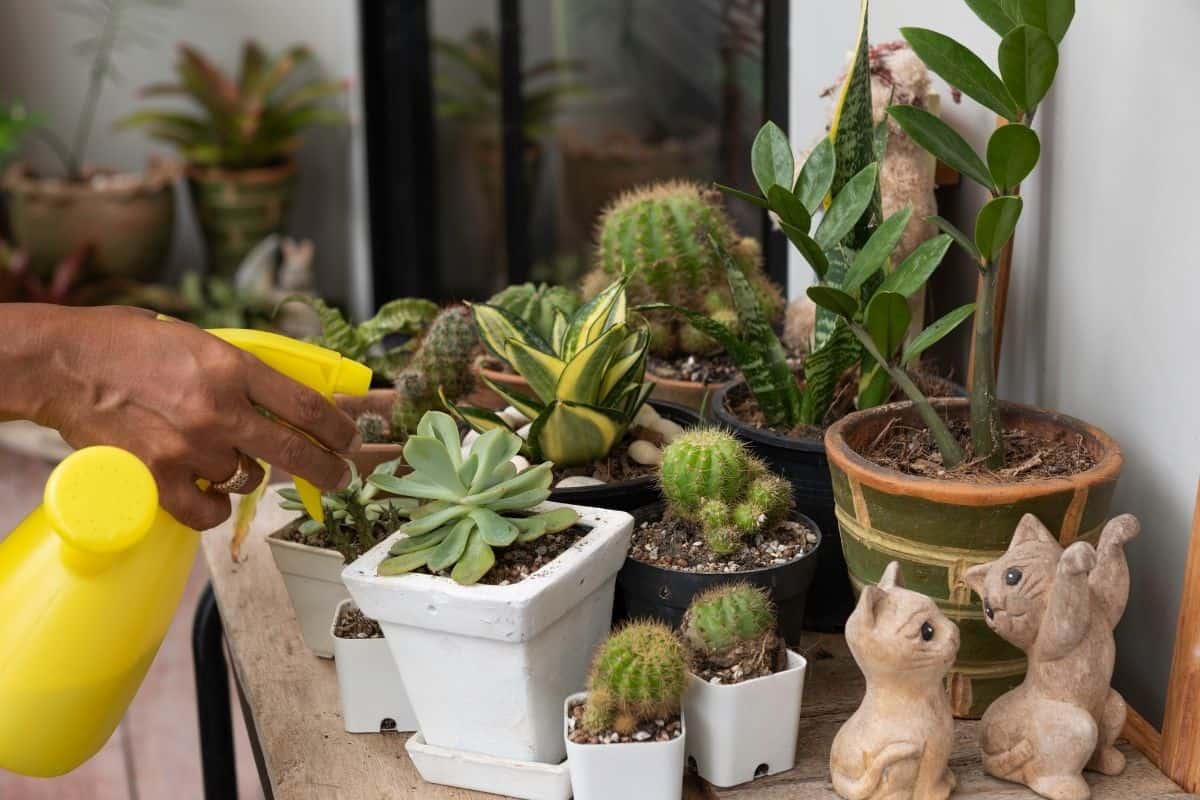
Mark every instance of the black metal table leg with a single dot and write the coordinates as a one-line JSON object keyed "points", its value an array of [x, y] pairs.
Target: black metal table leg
{"points": [[212, 700]]}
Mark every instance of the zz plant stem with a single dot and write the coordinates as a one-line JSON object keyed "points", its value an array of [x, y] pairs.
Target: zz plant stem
{"points": [[985, 426]]}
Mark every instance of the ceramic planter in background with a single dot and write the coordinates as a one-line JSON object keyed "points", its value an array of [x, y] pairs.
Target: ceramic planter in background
{"points": [[741, 731], [370, 686], [626, 771], [238, 208]]}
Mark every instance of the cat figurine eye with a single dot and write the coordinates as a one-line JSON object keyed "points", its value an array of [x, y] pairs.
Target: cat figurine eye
{"points": [[1013, 576], [927, 632]]}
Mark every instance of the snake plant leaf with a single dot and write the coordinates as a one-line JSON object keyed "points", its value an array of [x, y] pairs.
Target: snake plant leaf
{"points": [[739, 194], [411, 544], [594, 317], [1028, 61], [962, 69], [417, 526], [402, 315], [574, 433], [559, 331], [853, 133], [452, 546], [936, 332], [636, 399], [1051, 16], [993, 15], [479, 419], [834, 299], [995, 225], [880, 141], [518, 400], [771, 159], [877, 250], [541, 370], [441, 426], [823, 369], [497, 327], [788, 207], [943, 142], [582, 378], [808, 248], [428, 456], [887, 317], [402, 564], [910, 277], [816, 176], [625, 369], [493, 528], [1012, 153], [847, 207], [475, 561]]}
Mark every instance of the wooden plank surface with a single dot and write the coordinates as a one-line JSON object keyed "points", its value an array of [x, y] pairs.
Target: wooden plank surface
{"points": [[1180, 744], [293, 697]]}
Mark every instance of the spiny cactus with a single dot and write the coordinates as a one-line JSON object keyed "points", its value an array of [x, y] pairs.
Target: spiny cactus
{"points": [[638, 675], [724, 617], [443, 361], [708, 477], [373, 428], [661, 233], [536, 304]]}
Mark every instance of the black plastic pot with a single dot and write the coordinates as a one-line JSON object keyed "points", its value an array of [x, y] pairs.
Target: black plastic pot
{"points": [[644, 590], [627, 495]]}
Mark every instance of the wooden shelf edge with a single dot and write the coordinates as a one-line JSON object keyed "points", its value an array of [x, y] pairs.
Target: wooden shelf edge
{"points": [[1145, 737]]}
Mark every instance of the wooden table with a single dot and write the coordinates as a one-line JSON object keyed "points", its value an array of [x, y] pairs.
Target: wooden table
{"points": [[292, 706]]}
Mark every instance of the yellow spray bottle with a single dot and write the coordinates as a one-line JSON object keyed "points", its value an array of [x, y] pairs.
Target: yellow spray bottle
{"points": [[90, 580]]}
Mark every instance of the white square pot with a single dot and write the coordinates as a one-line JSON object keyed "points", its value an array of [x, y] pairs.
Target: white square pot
{"points": [[369, 683], [313, 578], [487, 667], [527, 780], [736, 729], [627, 771]]}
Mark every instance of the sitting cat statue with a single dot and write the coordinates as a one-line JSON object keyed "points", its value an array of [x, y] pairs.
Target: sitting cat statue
{"points": [[897, 744], [1060, 607]]}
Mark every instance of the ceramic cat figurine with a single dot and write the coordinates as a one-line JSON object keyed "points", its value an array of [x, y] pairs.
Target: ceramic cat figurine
{"points": [[897, 744], [1060, 607]]}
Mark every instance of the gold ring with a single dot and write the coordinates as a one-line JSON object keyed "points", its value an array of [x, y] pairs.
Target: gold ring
{"points": [[238, 481]]}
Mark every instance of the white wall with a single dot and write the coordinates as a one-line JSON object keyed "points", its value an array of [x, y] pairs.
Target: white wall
{"points": [[1102, 311], [37, 63]]}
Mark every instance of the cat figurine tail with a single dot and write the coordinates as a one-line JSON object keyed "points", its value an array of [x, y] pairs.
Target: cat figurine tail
{"points": [[1060, 607], [896, 746]]}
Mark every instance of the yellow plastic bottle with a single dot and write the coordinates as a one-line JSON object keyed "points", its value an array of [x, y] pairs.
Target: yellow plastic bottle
{"points": [[90, 580]]}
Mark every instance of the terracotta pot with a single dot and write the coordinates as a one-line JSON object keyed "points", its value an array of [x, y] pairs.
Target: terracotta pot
{"points": [[509, 380], [690, 394], [936, 529], [238, 208], [126, 218]]}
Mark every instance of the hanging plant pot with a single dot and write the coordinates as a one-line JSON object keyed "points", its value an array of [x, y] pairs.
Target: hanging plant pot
{"points": [[238, 208], [937, 529], [742, 731], [372, 692]]}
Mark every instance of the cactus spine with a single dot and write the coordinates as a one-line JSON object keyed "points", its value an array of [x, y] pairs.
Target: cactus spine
{"points": [[373, 428], [638, 675], [443, 361]]}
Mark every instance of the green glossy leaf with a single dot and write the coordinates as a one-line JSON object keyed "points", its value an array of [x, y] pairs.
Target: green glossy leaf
{"points": [[771, 158], [816, 176], [808, 248], [835, 300], [995, 224], [942, 141], [540, 370], [852, 130], [789, 209], [1051, 16], [912, 274], [583, 376], [452, 547], [476, 560], [480, 419], [521, 402], [949, 228], [430, 461], [962, 69], [403, 315], [1028, 61], [740, 195], [847, 207], [887, 319], [936, 332], [571, 433], [874, 386], [993, 15], [1012, 153], [497, 327], [593, 318], [877, 250]]}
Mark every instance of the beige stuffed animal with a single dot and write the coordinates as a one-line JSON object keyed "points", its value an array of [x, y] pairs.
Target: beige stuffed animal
{"points": [[1060, 607], [897, 744]]}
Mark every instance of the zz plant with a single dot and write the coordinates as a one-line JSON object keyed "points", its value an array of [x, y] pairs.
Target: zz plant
{"points": [[471, 505]]}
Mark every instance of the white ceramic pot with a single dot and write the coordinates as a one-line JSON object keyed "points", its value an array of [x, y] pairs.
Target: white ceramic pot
{"points": [[369, 683], [527, 780], [487, 667], [741, 731], [313, 578], [628, 771]]}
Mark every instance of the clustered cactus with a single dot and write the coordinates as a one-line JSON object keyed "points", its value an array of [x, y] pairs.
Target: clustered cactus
{"points": [[373, 428], [536, 304], [660, 234], [734, 624], [709, 478], [442, 362], [638, 675]]}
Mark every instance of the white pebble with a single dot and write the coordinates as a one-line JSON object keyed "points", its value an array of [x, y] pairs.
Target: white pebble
{"points": [[520, 462], [577, 481], [647, 417], [645, 452], [669, 430], [641, 736], [469, 440], [513, 417]]}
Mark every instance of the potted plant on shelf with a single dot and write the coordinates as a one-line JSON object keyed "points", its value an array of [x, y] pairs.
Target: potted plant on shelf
{"points": [[535, 305], [240, 149], [659, 234], [625, 735], [126, 219], [310, 555], [586, 414], [372, 692], [744, 688], [941, 484], [491, 601], [725, 516]]}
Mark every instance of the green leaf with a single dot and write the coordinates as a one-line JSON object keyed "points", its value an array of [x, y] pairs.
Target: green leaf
{"points": [[518, 400], [879, 147], [1028, 61], [949, 228], [823, 370], [995, 224], [411, 544], [852, 130], [497, 327], [400, 565], [816, 176], [789, 209], [993, 15], [480, 419], [1012, 153], [962, 69], [572, 433], [942, 141], [887, 319], [835, 300], [583, 376], [912, 274], [403, 315], [555, 520], [808, 248], [418, 525], [593, 318], [475, 561], [771, 158], [847, 207], [493, 528], [874, 386], [877, 250], [452, 547], [441, 426], [1051, 16], [539, 369], [739, 194], [936, 332], [429, 459]]}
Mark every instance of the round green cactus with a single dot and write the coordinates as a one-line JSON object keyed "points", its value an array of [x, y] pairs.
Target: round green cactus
{"points": [[723, 617], [373, 428], [639, 674], [701, 465], [443, 361]]}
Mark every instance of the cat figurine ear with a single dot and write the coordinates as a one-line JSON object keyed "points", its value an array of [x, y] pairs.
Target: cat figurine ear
{"points": [[891, 578], [868, 604], [1029, 530]]}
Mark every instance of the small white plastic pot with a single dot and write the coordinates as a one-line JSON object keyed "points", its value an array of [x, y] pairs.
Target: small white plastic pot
{"points": [[370, 686], [527, 780], [487, 667], [626, 771], [313, 578], [741, 731]]}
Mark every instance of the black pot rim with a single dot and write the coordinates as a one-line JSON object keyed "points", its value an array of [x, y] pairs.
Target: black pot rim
{"points": [[755, 434]]}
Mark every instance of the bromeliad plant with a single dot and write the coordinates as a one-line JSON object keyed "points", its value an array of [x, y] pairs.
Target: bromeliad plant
{"points": [[407, 316], [472, 504], [588, 377]]}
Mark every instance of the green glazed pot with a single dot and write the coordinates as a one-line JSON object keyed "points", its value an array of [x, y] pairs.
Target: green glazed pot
{"points": [[238, 208], [937, 529]]}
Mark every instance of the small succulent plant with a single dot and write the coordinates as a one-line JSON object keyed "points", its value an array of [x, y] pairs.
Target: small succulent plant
{"points": [[474, 503], [726, 618], [638, 675], [442, 363], [708, 477], [357, 517], [535, 304], [373, 428]]}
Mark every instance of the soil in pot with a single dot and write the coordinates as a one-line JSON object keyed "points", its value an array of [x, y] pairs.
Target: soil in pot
{"points": [[517, 562], [350, 549], [353, 624], [747, 661], [615, 467], [670, 542], [656, 730]]}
